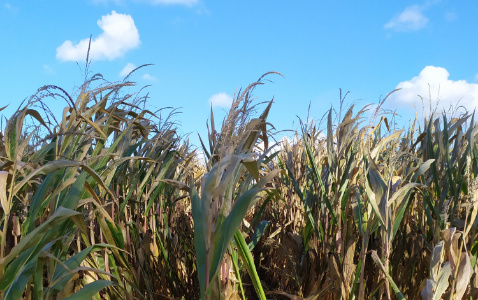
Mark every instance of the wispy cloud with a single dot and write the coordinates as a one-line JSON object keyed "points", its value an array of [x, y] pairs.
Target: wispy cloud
{"points": [[411, 19], [48, 69], [433, 82], [11, 8], [221, 100], [451, 16], [118, 37], [127, 69], [148, 77]]}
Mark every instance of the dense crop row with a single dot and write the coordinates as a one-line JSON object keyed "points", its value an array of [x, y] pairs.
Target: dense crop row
{"points": [[109, 202]]}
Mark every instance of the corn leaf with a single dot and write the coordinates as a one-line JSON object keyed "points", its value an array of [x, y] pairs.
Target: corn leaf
{"points": [[90, 290], [230, 225]]}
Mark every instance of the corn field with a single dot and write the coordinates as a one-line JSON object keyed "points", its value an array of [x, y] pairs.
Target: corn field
{"points": [[108, 201]]}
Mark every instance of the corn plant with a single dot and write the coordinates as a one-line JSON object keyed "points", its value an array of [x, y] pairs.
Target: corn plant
{"points": [[77, 197], [361, 192], [234, 178], [106, 201]]}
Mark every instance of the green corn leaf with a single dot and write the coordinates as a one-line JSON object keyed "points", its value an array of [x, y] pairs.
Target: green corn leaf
{"points": [[38, 278], [377, 261], [270, 195], [199, 211], [109, 237], [373, 201], [248, 261], [13, 132], [20, 271], [39, 197], [90, 290], [357, 207], [234, 256], [318, 178], [132, 188], [16, 265], [60, 215], [398, 197], [401, 198], [474, 253], [423, 168], [74, 194], [15, 290], [383, 142], [374, 293], [229, 226], [45, 152], [165, 167], [72, 263], [57, 165], [310, 218], [258, 232], [116, 233]]}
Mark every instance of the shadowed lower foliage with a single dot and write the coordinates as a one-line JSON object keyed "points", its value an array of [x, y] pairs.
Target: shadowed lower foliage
{"points": [[108, 202]]}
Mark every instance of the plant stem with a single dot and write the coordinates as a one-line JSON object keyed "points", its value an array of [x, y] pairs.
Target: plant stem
{"points": [[3, 244]]}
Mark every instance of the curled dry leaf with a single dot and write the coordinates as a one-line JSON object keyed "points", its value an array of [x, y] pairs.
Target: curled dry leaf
{"points": [[450, 237], [3, 193], [442, 283], [464, 275], [436, 260], [428, 291]]}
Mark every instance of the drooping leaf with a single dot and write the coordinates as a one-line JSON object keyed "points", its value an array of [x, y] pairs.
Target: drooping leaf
{"points": [[230, 225], [91, 289], [61, 214], [464, 275], [258, 232]]}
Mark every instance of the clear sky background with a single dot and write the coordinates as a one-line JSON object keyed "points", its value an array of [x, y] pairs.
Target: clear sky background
{"points": [[203, 51]]}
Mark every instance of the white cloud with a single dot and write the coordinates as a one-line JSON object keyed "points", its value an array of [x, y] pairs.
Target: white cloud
{"points": [[149, 77], [411, 19], [118, 37], [8, 6], [127, 69], [220, 99], [450, 16], [433, 82]]}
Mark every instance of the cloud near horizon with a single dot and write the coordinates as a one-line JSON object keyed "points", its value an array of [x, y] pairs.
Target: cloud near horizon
{"points": [[118, 37], [433, 82], [221, 100], [411, 19]]}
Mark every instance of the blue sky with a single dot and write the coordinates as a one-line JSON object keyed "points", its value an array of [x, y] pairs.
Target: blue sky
{"points": [[203, 51]]}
